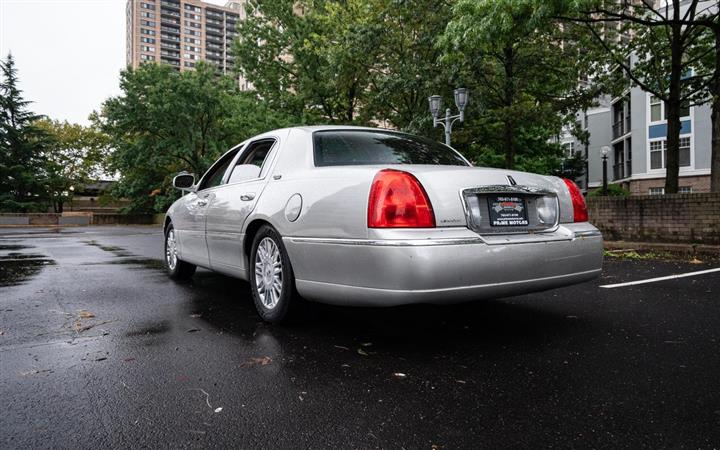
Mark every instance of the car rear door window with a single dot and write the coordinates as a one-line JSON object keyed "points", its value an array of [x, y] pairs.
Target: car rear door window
{"points": [[367, 147]]}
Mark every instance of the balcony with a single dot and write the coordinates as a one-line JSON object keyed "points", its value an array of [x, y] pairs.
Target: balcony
{"points": [[166, 37], [170, 45], [174, 55], [621, 128], [172, 5], [169, 21], [213, 38], [169, 12], [211, 13], [211, 30], [171, 30]]}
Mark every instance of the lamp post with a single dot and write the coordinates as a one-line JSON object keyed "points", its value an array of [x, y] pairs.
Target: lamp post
{"points": [[605, 150], [435, 101]]}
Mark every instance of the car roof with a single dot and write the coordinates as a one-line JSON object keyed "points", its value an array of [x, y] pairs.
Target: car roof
{"points": [[312, 128]]}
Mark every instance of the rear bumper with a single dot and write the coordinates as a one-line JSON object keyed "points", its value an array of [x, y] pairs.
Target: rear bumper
{"points": [[444, 270]]}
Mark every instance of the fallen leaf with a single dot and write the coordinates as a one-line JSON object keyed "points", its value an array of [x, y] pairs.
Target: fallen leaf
{"points": [[461, 381], [366, 344], [261, 361], [195, 316], [2, 333], [102, 358], [341, 347], [362, 352], [399, 375], [84, 314], [193, 330], [217, 410]]}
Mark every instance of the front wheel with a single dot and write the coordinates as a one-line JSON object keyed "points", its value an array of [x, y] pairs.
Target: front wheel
{"points": [[177, 268], [271, 278]]}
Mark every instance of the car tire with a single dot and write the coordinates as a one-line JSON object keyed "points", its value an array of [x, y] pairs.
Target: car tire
{"points": [[177, 268], [271, 278]]}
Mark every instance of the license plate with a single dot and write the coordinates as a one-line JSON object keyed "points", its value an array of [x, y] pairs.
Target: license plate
{"points": [[507, 211]]}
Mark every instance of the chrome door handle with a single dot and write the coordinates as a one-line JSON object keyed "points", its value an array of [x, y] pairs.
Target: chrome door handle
{"points": [[202, 202], [246, 197]]}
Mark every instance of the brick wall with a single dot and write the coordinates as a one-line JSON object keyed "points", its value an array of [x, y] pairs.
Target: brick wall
{"points": [[681, 218]]}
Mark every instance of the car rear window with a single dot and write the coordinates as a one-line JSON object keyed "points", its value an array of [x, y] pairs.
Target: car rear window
{"points": [[364, 147]]}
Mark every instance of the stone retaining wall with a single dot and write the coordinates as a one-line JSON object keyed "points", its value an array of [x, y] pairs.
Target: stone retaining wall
{"points": [[674, 218]]}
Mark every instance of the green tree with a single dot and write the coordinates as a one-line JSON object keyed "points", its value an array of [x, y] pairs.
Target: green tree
{"points": [[21, 146], [73, 157], [525, 73], [167, 121], [310, 58], [659, 49]]}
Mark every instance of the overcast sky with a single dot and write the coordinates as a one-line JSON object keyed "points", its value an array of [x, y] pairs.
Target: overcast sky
{"points": [[69, 53]]}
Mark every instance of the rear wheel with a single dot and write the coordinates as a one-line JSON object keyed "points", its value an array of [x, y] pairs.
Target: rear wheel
{"points": [[271, 278], [177, 268]]}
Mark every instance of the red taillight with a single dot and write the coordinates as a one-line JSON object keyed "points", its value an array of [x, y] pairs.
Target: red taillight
{"points": [[398, 200], [578, 201]]}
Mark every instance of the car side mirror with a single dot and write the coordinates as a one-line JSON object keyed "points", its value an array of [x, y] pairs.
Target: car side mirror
{"points": [[184, 181], [244, 172]]}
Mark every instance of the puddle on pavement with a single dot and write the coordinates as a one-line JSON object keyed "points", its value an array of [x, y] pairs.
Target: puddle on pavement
{"points": [[126, 258], [150, 329], [18, 270], [10, 247], [16, 256]]}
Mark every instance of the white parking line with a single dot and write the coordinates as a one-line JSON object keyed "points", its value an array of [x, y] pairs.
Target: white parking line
{"points": [[669, 277]]}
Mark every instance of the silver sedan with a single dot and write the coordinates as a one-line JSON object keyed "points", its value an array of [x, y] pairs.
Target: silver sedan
{"points": [[366, 216]]}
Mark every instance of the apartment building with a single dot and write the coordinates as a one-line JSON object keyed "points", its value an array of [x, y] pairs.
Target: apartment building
{"points": [[182, 32], [634, 127]]}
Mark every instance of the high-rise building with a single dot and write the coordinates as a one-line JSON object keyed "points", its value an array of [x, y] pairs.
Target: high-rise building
{"points": [[182, 32]]}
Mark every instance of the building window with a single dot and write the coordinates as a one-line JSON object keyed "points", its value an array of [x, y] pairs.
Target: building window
{"points": [[192, 32], [147, 40], [569, 149], [655, 109], [147, 5], [147, 23], [658, 153], [192, 40], [189, 23], [147, 57], [192, 8], [145, 48], [685, 190], [685, 152], [149, 15], [657, 191], [658, 110], [148, 32]]}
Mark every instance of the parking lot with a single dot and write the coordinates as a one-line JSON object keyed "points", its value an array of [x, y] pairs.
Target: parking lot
{"points": [[99, 348]]}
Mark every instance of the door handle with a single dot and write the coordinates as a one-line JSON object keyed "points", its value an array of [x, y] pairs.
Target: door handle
{"points": [[246, 197], [202, 202]]}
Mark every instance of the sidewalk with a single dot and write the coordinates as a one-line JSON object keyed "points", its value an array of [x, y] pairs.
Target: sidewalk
{"points": [[700, 251]]}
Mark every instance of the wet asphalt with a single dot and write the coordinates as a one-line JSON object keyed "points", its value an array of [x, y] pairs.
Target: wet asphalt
{"points": [[98, 348]]}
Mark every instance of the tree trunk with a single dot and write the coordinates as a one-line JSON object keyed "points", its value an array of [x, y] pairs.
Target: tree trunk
{"points": [[715, 118], [509, 91], [672, 167]]}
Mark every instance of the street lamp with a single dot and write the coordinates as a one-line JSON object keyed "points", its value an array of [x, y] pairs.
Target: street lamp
{"points": [[605, 150], [435, 101]]}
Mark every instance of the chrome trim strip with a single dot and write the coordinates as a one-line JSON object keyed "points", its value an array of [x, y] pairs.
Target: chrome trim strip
{"points": [[588, 233], [539, 237], [386, 242]]}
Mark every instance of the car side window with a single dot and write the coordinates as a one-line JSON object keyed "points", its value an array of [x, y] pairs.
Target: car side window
{"points": [[214, 176], [257, 154]]}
